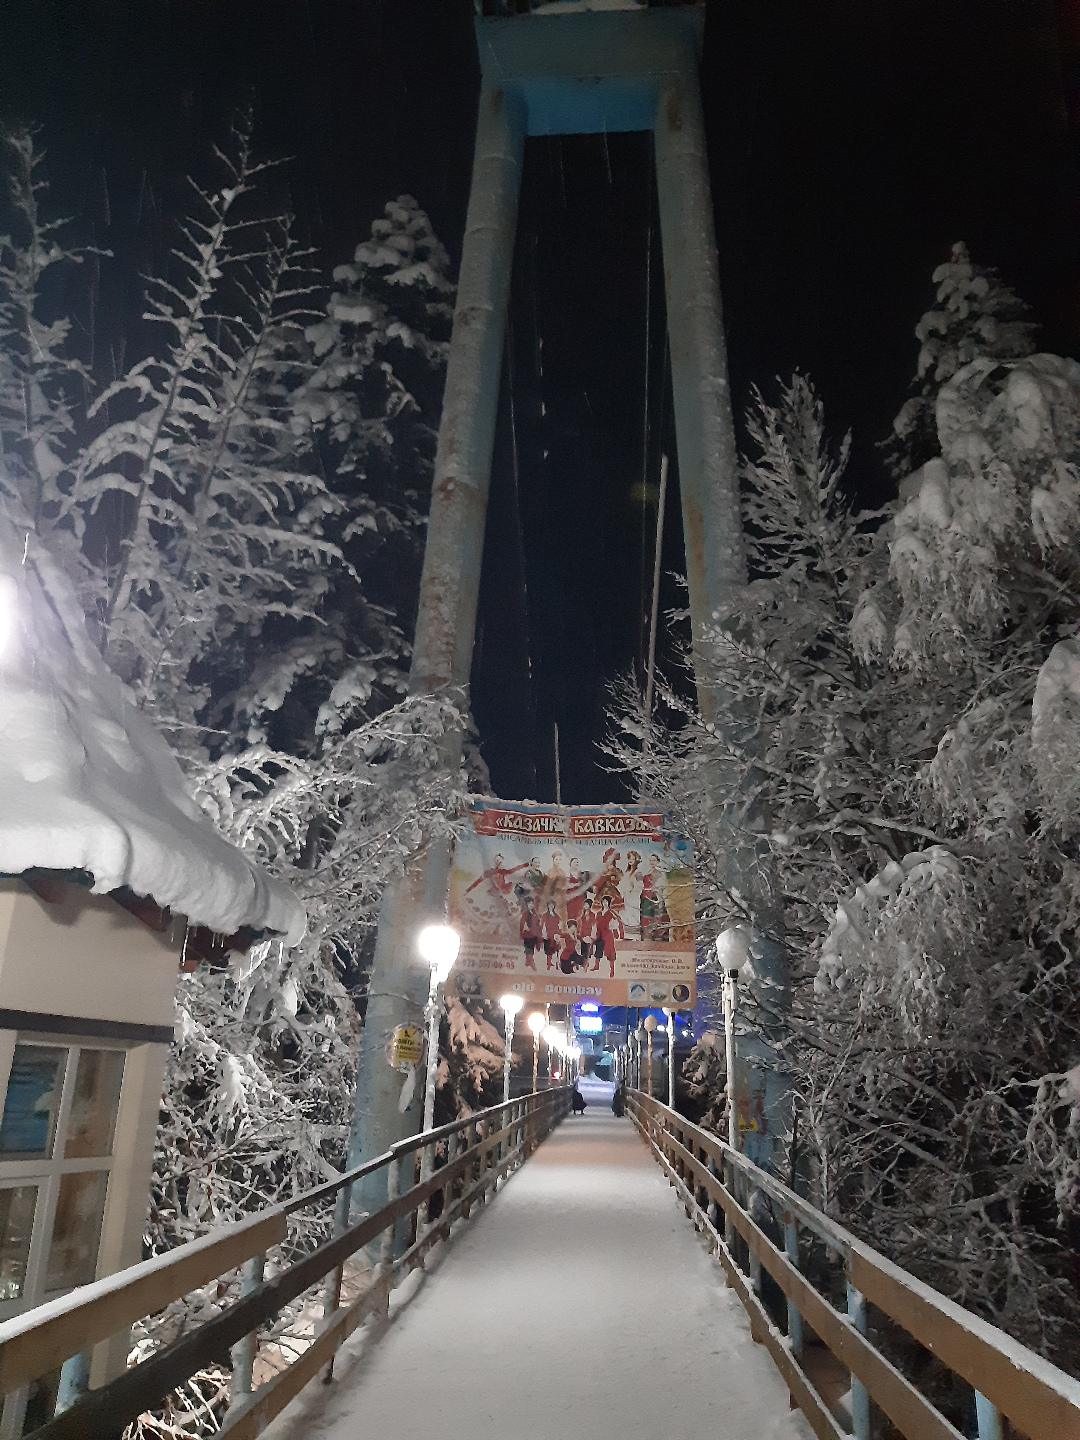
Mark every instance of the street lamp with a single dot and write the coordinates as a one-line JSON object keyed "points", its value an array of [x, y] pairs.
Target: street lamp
{"points": [[553, 1040], [536, 1023], [511, 1004], [639, 1036], [650, 1026], [439, 946], [670, 1057], [732, 951]]}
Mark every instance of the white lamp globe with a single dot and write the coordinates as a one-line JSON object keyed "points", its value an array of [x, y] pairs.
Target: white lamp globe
{"points": [[650, 1023], [439, 945], [552, 1038], [733, 948], [511, 1003], [536, 1022]]}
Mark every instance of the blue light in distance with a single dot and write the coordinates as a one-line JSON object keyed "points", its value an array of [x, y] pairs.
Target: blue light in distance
{"points": [[589, 1007], [590, 1024]]}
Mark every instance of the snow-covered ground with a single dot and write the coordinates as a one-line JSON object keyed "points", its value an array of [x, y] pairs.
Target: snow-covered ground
{"points": [[580, 1302]]}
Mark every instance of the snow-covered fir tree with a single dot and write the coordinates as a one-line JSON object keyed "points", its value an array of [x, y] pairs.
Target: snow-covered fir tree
{"points": [[899, 705], [977, 316]]}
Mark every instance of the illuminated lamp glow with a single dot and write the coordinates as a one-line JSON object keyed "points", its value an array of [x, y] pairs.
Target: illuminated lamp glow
{"points": [[439, 945]]}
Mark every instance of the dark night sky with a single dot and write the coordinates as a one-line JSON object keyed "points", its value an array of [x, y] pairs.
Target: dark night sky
{"points": [[851, 144]]}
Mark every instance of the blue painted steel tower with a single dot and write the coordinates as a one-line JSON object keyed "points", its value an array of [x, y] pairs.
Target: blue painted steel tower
{"points": [[557, 69]]}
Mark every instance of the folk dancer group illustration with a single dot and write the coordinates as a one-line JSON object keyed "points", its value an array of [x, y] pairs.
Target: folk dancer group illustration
{"points": [[575, 919]]}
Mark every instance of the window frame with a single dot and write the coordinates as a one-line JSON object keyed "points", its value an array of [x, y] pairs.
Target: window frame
{"points": [[48, 1171]]}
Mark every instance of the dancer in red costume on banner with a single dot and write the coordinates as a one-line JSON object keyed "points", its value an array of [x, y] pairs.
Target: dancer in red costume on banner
{"points": [[530, 931], [607, 882], [499, 876], [569, 953], [550, 925], [608, 930], [587, 932]]}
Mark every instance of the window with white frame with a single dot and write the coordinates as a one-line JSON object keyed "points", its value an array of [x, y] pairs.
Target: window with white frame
{"points": [[57, 1130]]}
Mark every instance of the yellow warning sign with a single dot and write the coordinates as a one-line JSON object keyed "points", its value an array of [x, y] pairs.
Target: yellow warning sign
{"points": [[406, 1045]]}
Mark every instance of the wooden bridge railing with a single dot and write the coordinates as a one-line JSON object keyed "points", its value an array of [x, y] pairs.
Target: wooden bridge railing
{"points": [[477, 1153], [730, 1200]]}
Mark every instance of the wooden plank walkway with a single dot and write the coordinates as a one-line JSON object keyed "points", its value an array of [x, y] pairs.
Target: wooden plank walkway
{"points": [[578, 1303]]}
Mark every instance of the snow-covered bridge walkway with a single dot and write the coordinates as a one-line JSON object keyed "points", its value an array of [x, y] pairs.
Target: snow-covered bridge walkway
{"points": [[579, 1302]]}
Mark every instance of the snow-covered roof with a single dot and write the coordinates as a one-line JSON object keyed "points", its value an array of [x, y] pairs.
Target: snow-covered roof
{"points": [[87, 783]]}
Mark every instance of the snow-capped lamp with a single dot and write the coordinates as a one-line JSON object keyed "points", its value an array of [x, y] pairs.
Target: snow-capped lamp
{"points": [[733, 952], [733, 949], [511, 1004], [439, 946], [536, 1022]]}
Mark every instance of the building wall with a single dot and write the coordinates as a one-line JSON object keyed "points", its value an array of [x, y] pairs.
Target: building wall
{"points": [[85, 957], [84, 972]]}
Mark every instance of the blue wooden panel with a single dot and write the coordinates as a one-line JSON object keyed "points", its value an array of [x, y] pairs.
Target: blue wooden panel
{"points": [[585, 107]]}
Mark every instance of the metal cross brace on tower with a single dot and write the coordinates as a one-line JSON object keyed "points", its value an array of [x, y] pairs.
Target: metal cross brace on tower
{"points": [[556, 70]]}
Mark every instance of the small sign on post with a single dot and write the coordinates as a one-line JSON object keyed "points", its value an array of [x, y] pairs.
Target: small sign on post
{"points": [[405, 1046]]}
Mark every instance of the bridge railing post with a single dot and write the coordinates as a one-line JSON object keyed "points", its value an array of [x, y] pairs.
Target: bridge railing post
{"points": [[860, 1400], [243, 1352], [751, 1192], [988, 1419], [389, 1236], [332, 1292], [791, 1249]]}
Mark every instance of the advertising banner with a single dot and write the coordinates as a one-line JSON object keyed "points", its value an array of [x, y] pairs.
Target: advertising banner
{"points": [[562, 903]]}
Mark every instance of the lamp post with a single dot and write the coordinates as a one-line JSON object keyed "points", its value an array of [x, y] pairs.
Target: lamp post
{"points": [[650, 1026], [639, 1036], [438, 945], [553, 1040], [535, 1023], [732, 951], [511, 1004], [670, 1057]]}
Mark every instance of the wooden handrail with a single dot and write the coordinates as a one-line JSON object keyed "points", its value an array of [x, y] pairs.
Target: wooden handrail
{"points": [[1040, 1400], [39, 1340]]}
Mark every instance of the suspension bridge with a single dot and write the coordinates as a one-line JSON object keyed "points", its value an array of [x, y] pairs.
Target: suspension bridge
{"points": [[564, 1289]]}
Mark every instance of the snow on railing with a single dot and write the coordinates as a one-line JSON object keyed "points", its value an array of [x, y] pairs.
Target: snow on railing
{"points": [[767, 1228], [447, 1171]]}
